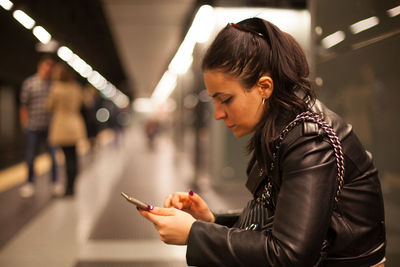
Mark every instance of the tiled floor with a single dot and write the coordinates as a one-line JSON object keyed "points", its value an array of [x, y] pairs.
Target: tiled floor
{"points": [[99, 228]]}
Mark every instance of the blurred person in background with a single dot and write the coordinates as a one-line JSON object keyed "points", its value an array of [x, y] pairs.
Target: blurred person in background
{"points": [[67, 126], [35, 120], [92, 103], [151, 128], [317, 198]]}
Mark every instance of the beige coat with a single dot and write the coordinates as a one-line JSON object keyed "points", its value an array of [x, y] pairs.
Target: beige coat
{"points": [[67, 125]]}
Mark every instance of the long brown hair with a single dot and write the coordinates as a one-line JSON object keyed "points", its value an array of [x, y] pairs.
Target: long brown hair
{"points": [[250, 49]]}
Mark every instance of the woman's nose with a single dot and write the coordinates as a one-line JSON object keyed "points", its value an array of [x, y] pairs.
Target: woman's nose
{"points": [[219, 113]]}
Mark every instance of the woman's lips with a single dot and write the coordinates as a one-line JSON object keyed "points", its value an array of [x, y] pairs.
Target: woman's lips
{"points": [[230, 126]]}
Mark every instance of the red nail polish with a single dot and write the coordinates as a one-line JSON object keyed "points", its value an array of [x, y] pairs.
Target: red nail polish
{"points": [[150, 207], [191, 193]]}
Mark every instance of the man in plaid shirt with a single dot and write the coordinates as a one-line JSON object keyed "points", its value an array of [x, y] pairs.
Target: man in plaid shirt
{"points": [[35, 119]]}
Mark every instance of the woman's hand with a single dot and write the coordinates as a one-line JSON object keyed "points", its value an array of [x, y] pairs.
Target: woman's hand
{"points": [[191, 203], [172, 224]]}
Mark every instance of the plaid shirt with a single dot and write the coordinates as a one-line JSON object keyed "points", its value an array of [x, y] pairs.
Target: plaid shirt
{"points": [[34, 96]]}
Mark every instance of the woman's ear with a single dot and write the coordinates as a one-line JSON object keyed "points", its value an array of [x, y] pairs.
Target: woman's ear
{"points": [[265, 86]]}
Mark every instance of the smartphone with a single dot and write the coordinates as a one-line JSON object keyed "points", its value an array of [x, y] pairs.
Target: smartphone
{"points": [[136, 202]]}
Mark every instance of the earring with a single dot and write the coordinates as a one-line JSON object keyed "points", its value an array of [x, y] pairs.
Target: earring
{"points": [[263, 101]]}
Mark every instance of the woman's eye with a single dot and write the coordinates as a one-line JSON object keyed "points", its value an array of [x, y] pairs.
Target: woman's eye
{"points": [[224, 101]]}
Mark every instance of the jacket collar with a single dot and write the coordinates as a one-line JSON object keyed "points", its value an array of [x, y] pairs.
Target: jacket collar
{"points": [[255, 178]]}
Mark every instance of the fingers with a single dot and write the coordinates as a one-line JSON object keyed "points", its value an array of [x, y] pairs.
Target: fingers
{"points": [[167, 201], [145, 214], [154, 214], [163, 211], [194, 197], [177, 201], [196, 200], [182, 200]]}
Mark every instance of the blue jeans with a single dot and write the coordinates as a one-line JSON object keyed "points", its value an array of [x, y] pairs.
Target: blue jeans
{"points": [[34, 139]]}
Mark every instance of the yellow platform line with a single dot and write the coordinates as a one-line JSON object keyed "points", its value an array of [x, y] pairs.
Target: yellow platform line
{"points": [[17, 174]]}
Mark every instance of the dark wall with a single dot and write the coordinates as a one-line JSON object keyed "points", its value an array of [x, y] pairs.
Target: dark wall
{"points": [[359, 77]]}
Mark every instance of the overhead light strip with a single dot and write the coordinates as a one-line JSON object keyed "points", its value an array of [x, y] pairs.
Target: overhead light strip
{"points": [[6, 4], [364, 25], [393, 12], [333, 39], [24, 19], [199, 32], [42, 35]]}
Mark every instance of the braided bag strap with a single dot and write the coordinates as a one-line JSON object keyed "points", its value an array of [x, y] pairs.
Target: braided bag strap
{"points": [[308, 116]]}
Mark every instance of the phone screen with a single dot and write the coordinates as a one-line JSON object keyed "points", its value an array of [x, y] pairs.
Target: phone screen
{"points": [[135, 201]]}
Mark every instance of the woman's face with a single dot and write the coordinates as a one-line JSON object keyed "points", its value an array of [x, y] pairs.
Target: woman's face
{"points": [[240, 109]]}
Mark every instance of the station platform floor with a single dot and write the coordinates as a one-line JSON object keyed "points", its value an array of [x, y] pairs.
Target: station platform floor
{"points": [[97, 227]]}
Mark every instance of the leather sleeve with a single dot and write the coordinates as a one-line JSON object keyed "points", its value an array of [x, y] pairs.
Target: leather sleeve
{"points": [[302, 217], [227, 218]]}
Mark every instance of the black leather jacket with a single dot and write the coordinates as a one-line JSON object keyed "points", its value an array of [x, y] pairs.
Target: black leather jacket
{"points": [[307, 227]]}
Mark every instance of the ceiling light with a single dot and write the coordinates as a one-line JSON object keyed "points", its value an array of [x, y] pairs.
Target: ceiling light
{"points": [[121, 100], [102, 115], [110, 90], [318, 30], [143, 105], [64, 53], [79, 65], [183, 58], [164, 87], [364, 25], [393, 11], [202, 25], [49, 47], [85, 73], [97, 80], [7, 5], [333, 39], [42, 35], [24, 19]]}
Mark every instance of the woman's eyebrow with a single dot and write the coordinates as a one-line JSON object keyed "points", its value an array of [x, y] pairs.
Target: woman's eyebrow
{"points": [[216, 94], [220, 94]]}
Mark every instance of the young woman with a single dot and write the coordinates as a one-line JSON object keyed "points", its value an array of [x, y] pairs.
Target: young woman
{"points": [[67, 126], [317, 197]]}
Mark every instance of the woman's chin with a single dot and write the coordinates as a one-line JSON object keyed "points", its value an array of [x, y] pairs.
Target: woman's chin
{"points": [[239, 134]]}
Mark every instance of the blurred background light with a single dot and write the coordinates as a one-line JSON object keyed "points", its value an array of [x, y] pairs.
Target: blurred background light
{"points": [[204, 96], [42, 35], [165, 86], [64, 53], [364, 25], [6, 4], [120, 100], [79, 65], [144, 105], [190, 101], [393, 11], [333, 39], [49, 47], [318, 30], [183, 58], [199, 32], [109, 91], [102, 115], [202, 25], [24, 19]]}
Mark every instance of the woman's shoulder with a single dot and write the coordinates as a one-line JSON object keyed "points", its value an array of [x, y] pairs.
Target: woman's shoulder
{"points": [[332, 119], [313, 125]]}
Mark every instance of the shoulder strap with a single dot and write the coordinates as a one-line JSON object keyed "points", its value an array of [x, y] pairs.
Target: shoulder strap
{"points": [[308, 116]]}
